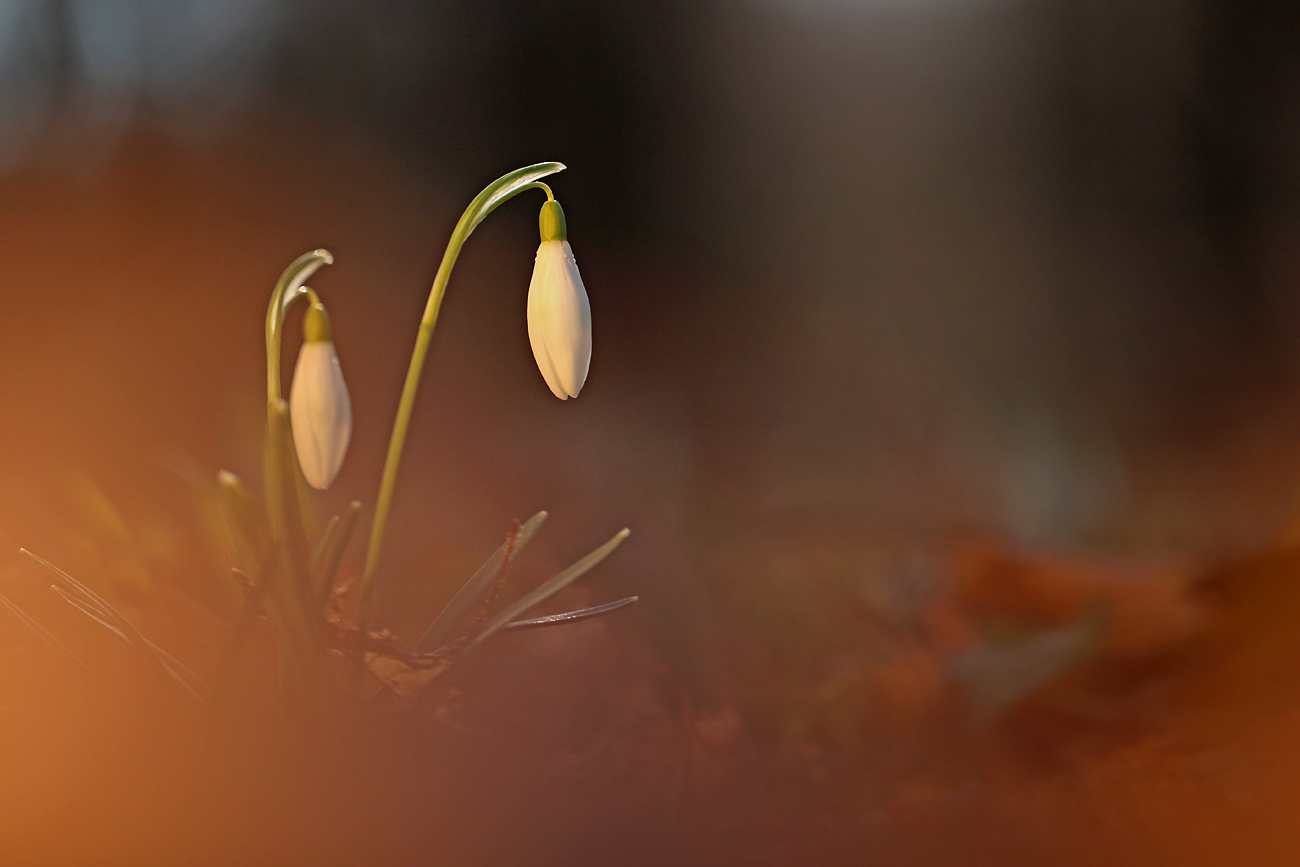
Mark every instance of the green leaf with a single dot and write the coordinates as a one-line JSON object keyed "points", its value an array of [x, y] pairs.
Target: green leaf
{"points": [[572, 616], [41, 632], [322, 545], [187, 680], [246, 532], [549, 589], [470, 595], [90, 611], [329, 573]]}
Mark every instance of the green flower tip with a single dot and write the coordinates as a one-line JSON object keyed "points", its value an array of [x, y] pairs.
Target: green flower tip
{"points": [[316, 325], [551, 222]]}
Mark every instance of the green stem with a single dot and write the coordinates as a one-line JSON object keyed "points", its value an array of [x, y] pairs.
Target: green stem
{"points": [[499, 191], [280, 467], [288, 289]]}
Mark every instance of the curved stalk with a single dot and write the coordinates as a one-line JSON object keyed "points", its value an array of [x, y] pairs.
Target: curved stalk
{"points": [[496, 193], [288, 289], [280, 475]]}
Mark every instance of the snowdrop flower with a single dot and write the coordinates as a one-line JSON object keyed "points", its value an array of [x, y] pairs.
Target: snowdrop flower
{"points": [[320, 410], [559, 316]]}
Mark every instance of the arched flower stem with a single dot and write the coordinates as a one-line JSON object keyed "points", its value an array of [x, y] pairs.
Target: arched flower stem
{"points": [[288, 289], [280, 465], [496, 193]]}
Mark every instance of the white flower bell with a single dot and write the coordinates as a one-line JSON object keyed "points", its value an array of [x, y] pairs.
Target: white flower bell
{"points": [[320, 410], [559, 315]]}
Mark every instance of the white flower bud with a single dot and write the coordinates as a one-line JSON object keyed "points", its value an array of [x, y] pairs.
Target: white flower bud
{"points": [[320, 410], [559, 315]]}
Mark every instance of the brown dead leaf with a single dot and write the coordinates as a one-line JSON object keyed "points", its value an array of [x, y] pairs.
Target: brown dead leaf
{"points": [[408, 677], [402, 670]]}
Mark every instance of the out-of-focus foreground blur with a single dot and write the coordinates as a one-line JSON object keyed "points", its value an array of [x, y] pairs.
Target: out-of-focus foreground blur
{"points": [[946, 369]]}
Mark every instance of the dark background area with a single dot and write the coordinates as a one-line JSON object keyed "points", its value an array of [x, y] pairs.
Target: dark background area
{"points": [[867, 278], [938, 261]]}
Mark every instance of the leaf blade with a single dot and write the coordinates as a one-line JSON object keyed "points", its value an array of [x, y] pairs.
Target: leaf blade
{"points": [[572, 616], [148, 649], [473, 591], [548, 589]]}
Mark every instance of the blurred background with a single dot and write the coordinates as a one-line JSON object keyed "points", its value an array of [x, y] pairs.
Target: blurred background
{"points": [[870, 279]]}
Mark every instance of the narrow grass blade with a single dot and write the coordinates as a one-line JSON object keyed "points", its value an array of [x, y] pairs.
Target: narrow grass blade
{"points": [[41, 632], [322, 545], [470, 595], [330, 570], [572, 616], [89, 612], [179, 669], [548, 589], [98, 602], [247, 533], [90, 608], [132, 635]]}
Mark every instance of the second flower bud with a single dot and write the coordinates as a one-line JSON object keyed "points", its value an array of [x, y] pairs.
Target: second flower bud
{"points": [[320, 410]]}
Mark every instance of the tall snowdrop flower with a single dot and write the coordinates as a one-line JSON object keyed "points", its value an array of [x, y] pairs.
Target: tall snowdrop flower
{"points": [[559, 315], [320, 410]]}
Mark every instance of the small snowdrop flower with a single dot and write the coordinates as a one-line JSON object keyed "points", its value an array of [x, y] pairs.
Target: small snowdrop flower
{"points": [[559, 315], [320, 410]]}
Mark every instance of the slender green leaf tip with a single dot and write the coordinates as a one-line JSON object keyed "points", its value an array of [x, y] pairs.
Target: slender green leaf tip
{"points": [[572, 616], [232, 489], [477, 587], [234, 498], [547, 589]]}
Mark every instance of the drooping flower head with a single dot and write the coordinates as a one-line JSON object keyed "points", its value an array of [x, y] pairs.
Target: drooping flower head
{"points": [[320, 410], [559, 315]]}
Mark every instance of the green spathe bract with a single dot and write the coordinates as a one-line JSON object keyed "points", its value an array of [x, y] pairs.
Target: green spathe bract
{"points": [[551, 222]]}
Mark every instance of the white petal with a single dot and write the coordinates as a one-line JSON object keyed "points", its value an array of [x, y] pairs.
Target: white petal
{"points": [[559, 319], [320, 411], [536, 337]]}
